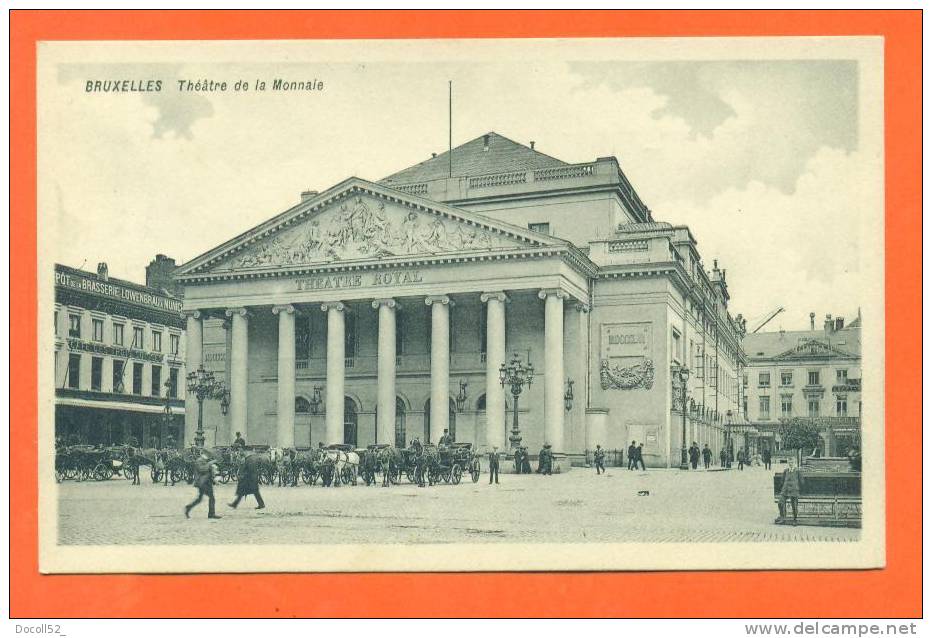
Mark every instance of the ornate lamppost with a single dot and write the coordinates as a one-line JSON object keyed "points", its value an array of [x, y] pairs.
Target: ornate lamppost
{"points": [[517, 375], [684, 377], [203, 385]]}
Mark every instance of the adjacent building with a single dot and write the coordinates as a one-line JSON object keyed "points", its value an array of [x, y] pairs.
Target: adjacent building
{"points": [[812, 374], [380, 311], [119, 357]]}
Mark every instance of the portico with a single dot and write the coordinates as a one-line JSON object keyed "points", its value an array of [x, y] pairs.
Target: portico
{"points": [[382, 332]]}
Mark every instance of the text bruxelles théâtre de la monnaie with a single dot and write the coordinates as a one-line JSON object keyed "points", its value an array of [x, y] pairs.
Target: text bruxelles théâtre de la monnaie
{"points": [[202, 86]]}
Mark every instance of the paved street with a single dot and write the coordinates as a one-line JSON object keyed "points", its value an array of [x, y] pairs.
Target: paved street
{"points": [[575, 507]]}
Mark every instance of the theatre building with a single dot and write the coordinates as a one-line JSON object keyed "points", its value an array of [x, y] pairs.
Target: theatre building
{"points": [[119, 357], [383, 311]]}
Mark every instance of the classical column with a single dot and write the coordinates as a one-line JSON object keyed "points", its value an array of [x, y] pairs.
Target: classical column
{"points": [[553, 366], [194, 357], [286, 374], [581, 373], [336, 361], [494, 357], [239, 361], [439, 365], [386, 390]]}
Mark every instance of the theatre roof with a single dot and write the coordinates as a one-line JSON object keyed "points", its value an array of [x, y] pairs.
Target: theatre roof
{"points": [[771, 345], [487, 154]]}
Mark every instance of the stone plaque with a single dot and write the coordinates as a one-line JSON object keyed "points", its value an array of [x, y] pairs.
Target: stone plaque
{"points": [[625, 362], [626, 340]]}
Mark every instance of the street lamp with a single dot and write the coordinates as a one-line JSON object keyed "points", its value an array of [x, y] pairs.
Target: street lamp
{"points": [[517, 375], [461, 397], [684, 377], [568, 395], [203, 385]]}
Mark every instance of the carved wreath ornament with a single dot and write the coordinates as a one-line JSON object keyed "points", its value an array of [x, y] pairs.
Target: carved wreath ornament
{"points": [[640, 375], [362, 229]]}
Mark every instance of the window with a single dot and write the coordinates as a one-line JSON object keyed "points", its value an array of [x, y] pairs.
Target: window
{"points": [[841, 376], [139, 337], [786, 379], [97, 372], [174, 342], [156, 381], [118, 334], [540, 227], [118, 376], [98, 325], [700, 363], [675, 346], [56, 323], [744, 380], [399, 334], [74, 371], [813, 377], [786, 406], [813, 408], [302, 338], [764, 407], [156, 341], [173, 383], [841, 406], [763, 380], [349, 337], [137, 378], [744, 405], [74, 326]]}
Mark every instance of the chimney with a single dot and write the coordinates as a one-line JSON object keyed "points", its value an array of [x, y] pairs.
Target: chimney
{"points": [[485, 142], [828, 324], [102, 271], [159, 275], [433, 155], [839, 323], [306, 195], [812, 321], [532, 145]]}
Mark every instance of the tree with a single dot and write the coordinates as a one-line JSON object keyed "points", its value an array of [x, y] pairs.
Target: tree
{"points": [[800, 434]]}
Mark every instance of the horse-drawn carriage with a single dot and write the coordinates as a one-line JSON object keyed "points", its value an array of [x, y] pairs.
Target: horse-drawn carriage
{"points": [[447, 463]]}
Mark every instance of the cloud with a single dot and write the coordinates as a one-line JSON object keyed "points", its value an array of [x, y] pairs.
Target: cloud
{"points": [[800, 250]]}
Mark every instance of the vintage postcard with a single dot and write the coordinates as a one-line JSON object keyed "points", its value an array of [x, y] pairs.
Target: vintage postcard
{"points": [[461, 305]]}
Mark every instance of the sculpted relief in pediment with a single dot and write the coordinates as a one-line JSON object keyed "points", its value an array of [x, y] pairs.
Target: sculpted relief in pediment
{"points": [[362, 228]]}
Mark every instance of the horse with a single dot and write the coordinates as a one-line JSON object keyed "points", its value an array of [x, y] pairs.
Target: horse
{"points": [[345, 466], [390, 462], [133, 458]]}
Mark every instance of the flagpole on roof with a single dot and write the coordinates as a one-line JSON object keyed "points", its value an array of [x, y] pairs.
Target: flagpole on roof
{"points": [[450, 149]]}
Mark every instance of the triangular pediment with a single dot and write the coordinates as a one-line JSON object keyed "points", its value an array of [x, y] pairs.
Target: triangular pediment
{"points": [[813, 349], [361, 221]]}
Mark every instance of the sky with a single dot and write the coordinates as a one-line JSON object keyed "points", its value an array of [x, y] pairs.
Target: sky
{"points": [[760, 158]]}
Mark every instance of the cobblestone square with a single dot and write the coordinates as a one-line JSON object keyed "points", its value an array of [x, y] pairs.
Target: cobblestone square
{"points": [[700, 506]]}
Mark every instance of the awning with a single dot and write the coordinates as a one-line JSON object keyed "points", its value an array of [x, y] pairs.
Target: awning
{"points": [[124, 406]]}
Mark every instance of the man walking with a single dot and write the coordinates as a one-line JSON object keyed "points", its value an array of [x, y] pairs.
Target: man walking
{"points": [[599, 458], [248, 481], [766, 457], [792, 486], [639, 457], [493, 465], [206, 469], [694, 455], [545, 460], [706, 456], [722, 457], [741, 460], [632, 456]]}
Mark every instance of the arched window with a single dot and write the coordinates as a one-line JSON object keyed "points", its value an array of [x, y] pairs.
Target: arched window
{"points": [[301, 405], [451, 418], [349, 421], [399, 423]]}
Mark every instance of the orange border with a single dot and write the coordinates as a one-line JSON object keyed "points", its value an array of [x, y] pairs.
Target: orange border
{"points": [[891, 592]]}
